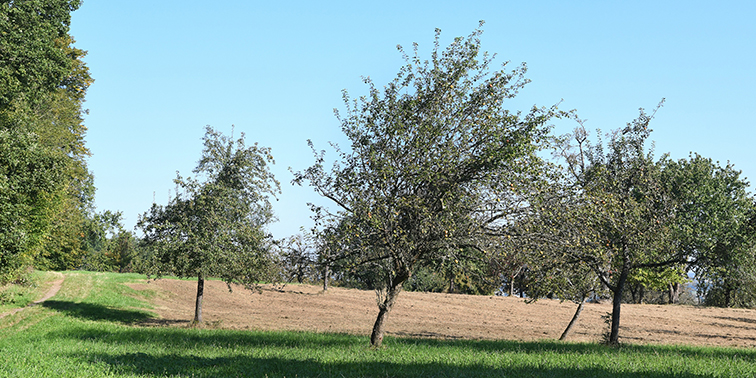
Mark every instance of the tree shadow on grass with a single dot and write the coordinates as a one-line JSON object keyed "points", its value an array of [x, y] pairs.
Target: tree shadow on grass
{"points": [[89, 311], [170, 338], [221, 353], [251, 366], [559, 347]]}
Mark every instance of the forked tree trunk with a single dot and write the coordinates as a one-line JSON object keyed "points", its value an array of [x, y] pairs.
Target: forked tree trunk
{"points": [[674, 293], [573, 321], [376, 338], [198, 304]]}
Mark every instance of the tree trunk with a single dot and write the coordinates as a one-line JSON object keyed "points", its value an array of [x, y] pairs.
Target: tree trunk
{"points": [[634, 292], [641, 294], [325, 278], [573, 321], [511, 286], [727, 295], [617, 304], [674, 293], [198, 304], [376, 338]]}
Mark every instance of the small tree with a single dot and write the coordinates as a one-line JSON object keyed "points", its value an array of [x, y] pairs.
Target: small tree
{"points": [[298, 258], [216, 227], [429, 156]]}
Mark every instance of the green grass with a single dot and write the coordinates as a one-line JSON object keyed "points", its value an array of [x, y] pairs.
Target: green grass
{"points": [[17, 296], [91, 329]]}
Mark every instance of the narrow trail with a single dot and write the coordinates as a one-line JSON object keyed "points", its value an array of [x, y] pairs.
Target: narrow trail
{"points": [[57, 284]]}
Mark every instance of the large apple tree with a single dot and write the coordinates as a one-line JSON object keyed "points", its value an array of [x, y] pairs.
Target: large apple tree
{"points": [[431, 155]]}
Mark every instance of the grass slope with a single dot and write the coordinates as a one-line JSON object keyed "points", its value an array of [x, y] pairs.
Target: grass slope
{"points": [[91, 328], [17, 296]]}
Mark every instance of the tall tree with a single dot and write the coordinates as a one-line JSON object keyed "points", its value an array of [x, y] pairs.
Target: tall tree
{"points": [[44, 182], [32, 60], [429, 156], [59, 123], [216, 227]]}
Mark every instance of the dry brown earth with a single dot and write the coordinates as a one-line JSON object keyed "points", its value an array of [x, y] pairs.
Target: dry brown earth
{"points": [[308, 308]]}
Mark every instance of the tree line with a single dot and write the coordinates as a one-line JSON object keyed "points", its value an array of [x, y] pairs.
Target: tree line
{"points": [[47, 216], [443, 187]]}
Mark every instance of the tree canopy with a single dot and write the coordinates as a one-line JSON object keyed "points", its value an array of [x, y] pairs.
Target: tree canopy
{"points": [[45, 187], [215, 226], [630, 219], [429, 156]]}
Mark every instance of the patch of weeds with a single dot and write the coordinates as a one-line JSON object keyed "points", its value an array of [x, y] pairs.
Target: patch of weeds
{"points": [[20, 292], [11, 295]]}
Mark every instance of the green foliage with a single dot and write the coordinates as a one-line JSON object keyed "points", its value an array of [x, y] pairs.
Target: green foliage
{"points": [[216, 227], [33, 64], [429, 156], [28, 177], [427, 280], [45, 187], [467, 271], [20, 292], [655, 280], [109, 247], [715, 224]]}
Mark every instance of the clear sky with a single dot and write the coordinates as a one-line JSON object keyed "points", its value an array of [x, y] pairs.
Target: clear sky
{"points": [[165, 69]]}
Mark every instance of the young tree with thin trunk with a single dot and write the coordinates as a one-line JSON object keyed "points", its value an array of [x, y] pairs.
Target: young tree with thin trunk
{"points": [[429, 157], [216, 227], [551, 240]]}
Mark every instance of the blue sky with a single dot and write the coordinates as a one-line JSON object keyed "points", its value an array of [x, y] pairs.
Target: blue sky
{"points": [[275, 70]]}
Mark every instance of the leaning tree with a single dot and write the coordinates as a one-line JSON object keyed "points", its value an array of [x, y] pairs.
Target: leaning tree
{"points": [[431, 156], [215, 224]]}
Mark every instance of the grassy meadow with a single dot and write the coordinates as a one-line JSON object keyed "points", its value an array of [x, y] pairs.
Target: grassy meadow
{"points": [[96, 327]]}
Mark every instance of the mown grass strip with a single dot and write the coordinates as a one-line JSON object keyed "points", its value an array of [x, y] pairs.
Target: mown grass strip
{"points": [[96, 335]]}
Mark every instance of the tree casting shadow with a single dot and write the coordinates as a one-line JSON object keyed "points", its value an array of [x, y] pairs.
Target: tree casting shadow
{"points": [[89, 311], [250, 366], [182, 353]]}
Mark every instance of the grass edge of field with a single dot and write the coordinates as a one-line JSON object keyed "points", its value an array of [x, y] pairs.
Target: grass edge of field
{"points": [[114, 343]]}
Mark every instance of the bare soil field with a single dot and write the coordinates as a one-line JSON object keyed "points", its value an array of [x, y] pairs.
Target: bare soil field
{"points": [[453, 316]]}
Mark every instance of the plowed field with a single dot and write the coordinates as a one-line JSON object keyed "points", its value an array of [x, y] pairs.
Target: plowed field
{"points": [[308, 308]]}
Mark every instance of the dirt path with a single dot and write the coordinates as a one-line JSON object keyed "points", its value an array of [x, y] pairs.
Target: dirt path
{"points": [[308, 308], [56, 285]]}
